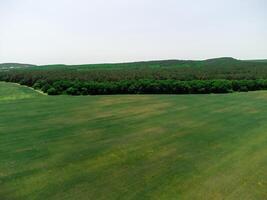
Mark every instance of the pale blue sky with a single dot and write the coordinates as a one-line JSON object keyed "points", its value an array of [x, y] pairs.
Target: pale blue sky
{"points": [[95, 31]]}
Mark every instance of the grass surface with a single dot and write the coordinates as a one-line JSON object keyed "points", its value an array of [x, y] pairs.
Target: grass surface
{"points": [[201, 147]]}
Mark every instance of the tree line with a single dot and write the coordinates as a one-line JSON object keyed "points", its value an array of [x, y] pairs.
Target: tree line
{"points": [[143, 80], [146, 86]]}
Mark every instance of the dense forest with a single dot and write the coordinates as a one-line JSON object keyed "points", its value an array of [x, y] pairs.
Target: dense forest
{"points": [[221, 75]]}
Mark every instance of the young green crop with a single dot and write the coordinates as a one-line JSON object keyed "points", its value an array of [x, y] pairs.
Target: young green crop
{"points": [[184, 147]]}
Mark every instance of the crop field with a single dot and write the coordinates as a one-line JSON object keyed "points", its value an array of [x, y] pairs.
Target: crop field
{"points": [[184, 147]]}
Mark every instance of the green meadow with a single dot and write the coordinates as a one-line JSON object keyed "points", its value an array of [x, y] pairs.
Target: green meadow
{"points": [[184, 147]]}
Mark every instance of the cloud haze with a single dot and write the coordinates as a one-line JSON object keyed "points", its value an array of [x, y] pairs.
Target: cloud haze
{"points": [[93, 31]]}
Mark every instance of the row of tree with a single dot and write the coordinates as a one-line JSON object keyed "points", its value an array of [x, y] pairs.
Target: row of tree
{"points": [[149, 87], [184, 80]]}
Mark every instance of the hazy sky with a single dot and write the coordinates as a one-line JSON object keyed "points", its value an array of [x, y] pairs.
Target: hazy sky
{"points": [[93, 31]]}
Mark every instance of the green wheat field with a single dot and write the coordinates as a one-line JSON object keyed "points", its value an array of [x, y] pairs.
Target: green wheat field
{"points": [[184, 147]]}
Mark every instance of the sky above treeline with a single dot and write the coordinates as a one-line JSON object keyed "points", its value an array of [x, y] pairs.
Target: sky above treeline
{"points": [[98, 31]]}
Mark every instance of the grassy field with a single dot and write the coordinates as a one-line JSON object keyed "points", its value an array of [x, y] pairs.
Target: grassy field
{"points": [[187, 147]]}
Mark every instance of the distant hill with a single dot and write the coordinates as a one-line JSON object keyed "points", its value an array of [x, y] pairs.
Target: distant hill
{"points": [[151, 77], [14, 65], [262, 60], [223, 62], [217, 62]]}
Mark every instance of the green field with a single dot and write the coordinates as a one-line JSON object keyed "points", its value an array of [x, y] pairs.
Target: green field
{"points": [[185, 147]]}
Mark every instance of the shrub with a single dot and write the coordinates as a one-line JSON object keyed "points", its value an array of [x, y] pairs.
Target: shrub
{"points": [[72, 91], [52, 91]]}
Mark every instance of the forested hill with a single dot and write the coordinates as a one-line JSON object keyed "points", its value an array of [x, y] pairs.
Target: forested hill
{"points": [[224, 62], [217, 62], [169, 76], [150, 64], [219, 68], [15, 65]]}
